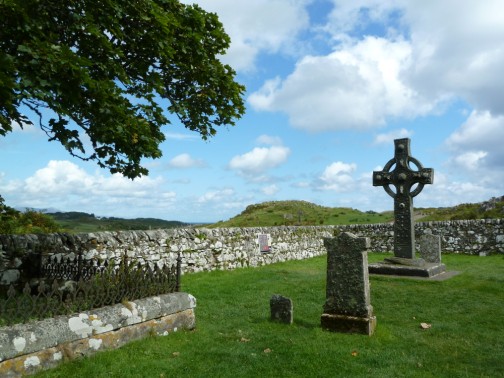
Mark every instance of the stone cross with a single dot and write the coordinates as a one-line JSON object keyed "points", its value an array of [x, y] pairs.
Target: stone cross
{"points": [[403, 178]]}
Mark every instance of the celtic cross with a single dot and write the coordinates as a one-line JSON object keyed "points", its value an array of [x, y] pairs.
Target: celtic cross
{"points": [[403, 178]]}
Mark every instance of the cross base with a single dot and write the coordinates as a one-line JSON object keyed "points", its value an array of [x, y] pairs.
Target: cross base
{"points": [[395, 269], [404, 261], [348, 324]]}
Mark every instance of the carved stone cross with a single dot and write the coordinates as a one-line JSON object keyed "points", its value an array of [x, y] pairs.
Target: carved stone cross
{"points": [[403, 178]]}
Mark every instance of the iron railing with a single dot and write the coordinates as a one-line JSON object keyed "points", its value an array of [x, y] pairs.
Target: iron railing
{"points": [[98, 285]]}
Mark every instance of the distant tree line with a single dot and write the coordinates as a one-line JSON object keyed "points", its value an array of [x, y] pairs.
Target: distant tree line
{"points": [[13, 221]]}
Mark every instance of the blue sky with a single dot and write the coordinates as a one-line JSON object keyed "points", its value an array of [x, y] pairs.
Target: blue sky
{"points": [[330, 85]]}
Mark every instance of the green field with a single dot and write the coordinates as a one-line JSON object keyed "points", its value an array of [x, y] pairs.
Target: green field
{"points": [[235, 338]]}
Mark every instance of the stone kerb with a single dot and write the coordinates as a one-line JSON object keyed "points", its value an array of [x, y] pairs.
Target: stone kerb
{"points": [[25, 348]]}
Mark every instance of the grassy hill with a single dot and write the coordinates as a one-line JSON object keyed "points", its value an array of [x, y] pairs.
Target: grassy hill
{"points": [[278, 213], [83, 222], [283, 213]]}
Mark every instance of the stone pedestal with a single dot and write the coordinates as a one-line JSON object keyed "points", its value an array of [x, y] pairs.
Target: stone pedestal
{"points": [[348, 324], [429, 265], [389, 268], [347, 307]]}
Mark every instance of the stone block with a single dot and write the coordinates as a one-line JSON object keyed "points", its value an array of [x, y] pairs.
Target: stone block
{"points": [[281, 309]]}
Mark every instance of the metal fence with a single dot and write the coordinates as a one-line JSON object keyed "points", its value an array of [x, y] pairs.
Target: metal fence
{"points": [[80, 285]]}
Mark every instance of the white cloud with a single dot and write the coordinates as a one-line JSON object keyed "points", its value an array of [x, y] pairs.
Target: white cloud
{"points": [[258, 26], [356, 87], [219, 196], [458, 48], [65, 186], [478, 142], [471, 160], [181, 136], [388, 138], [269, 140], [185, 161], [259, 160], [270, 190], [423, 55], [337, 177]]}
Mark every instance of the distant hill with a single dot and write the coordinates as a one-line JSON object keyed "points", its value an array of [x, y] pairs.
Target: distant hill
{"points": [[83, 222], [491, 209], [278, 213]]}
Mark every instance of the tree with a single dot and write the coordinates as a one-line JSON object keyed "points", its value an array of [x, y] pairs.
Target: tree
{"points": [[102, 76]]}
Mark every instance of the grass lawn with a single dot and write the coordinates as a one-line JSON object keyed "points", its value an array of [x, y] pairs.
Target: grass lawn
{"points": [[235, 338]]}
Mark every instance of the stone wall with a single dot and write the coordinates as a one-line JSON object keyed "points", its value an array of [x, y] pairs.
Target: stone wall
{"points": [[28, 348], [473, 237], [201, 249], [228, 248]]}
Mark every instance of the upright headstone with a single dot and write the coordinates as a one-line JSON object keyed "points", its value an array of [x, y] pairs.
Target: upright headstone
{"points": [[347, 307], [281, 309], [430, 248], [408, 183]]}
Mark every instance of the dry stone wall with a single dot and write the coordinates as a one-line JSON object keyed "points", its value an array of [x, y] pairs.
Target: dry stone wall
{"points": [[228, 248]]}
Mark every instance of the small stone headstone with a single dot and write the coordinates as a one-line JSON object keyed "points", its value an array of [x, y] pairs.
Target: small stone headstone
{"points": [[281, 309], [347, 308], [430, 248]]}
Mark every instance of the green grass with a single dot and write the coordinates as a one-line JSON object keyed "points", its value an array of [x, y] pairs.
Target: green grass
{"points": [[234, 331], [300, 213]]}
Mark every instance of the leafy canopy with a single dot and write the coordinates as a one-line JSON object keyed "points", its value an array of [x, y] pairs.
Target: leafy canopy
{"points": [[102, 76]]}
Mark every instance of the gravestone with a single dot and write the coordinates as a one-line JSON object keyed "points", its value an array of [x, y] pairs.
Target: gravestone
{"points": [[347, 308], [430, 248], [408, 183], [281, 309]]}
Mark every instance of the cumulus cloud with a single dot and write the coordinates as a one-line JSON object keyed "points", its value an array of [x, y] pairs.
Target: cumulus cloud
{"points": [[185, 161], [356, 87], [68, 187], [270, 190], [269, 140], [258, 26], [337, 177], [457, 48], [414, 65], [388, 138], [259, 160], [217, 195], [478, 142]]}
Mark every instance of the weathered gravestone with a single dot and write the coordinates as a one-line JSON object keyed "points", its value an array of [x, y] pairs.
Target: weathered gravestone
{"points": [[281, 309], [430, 248], [404, 179], [347, 308]]}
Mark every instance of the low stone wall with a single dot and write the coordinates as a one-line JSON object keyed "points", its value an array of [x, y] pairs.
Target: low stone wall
{"points": [[472, 237], [35, 346], [229, 248], [201, 249]]}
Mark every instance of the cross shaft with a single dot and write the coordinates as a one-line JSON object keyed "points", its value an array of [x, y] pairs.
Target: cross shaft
{"points": [[403, 178]]}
